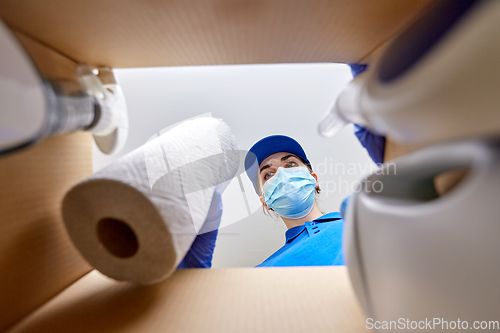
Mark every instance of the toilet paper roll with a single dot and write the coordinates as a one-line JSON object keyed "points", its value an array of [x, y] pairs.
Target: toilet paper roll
{"points": [[136, 219]]}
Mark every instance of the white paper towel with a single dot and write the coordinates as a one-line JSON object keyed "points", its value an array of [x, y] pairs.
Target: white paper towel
{"points": [[136, 219]]}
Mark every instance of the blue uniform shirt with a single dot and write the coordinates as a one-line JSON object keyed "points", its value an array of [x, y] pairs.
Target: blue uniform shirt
{"points": [[316, 243]]}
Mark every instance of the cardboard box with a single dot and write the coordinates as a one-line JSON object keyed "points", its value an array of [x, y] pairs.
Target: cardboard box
{"points": [[44, 285]]}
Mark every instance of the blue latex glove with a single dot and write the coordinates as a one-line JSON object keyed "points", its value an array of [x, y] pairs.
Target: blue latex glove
{"points": [[357, 69], [373, 143], [201, 251]]}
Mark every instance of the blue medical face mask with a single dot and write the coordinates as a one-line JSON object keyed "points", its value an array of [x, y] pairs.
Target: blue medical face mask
{"points": [[290, 192]]}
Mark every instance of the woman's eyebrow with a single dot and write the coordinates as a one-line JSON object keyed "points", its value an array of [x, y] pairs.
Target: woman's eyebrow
{"points": [[265, 167], [284, 158]]}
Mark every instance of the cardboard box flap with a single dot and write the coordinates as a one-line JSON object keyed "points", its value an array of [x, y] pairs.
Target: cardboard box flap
{"points": [[127, 33], [289, 299]]}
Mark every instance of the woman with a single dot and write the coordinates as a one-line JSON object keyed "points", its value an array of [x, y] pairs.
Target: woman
{"points": [[283, 178], [313, 239]]}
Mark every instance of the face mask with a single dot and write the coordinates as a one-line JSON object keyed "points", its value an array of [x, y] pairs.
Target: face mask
{"points": [[290, 192]]}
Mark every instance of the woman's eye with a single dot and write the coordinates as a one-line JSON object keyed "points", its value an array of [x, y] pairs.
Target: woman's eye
{"points": [[290, 164], [268, 175]]}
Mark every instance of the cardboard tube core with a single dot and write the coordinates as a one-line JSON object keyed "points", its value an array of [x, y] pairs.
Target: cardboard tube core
{"points": [[117, 237]]}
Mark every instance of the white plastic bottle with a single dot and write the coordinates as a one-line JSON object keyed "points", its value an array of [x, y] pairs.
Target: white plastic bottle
{"points": [[438, 81]]}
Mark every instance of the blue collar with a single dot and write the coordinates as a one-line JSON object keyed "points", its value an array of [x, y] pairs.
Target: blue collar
{"points": [[334, 215], [292, 233]]}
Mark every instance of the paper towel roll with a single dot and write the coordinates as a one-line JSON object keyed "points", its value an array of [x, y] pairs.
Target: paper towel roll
{"points": [[136, 219]]}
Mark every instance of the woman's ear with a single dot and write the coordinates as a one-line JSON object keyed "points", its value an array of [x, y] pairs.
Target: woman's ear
{"points": [[264, 202], [317, 182], [315, 177]]}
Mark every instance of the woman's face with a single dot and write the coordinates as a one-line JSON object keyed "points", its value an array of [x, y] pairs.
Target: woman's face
{"points": [[270, 165]]}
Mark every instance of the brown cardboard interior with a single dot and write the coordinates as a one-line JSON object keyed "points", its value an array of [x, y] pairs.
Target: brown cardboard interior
{"points": [[36, 258], [290, 299], [128, 33]]}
